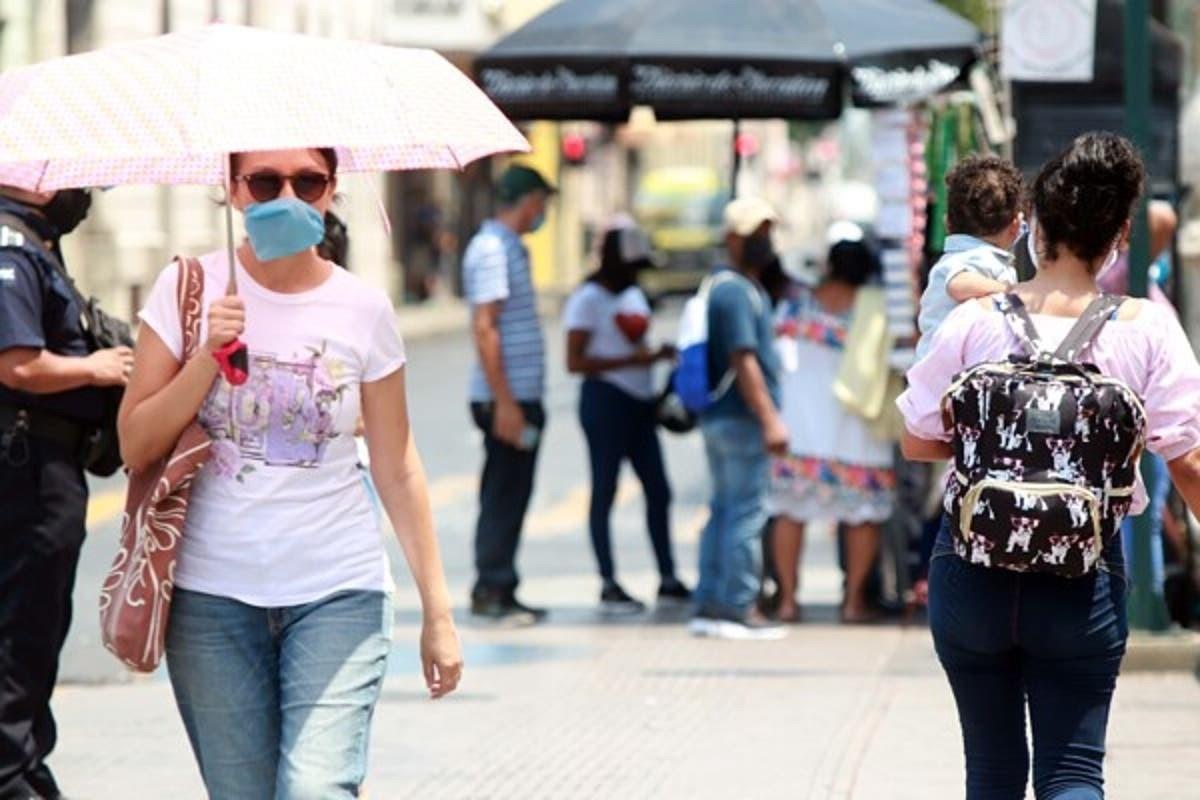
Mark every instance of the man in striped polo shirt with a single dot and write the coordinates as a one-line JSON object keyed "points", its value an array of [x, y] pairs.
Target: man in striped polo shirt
{"points": [[507, 384]]}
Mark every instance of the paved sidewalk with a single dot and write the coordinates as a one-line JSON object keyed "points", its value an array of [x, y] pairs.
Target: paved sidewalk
{"points": [[584, 709]]}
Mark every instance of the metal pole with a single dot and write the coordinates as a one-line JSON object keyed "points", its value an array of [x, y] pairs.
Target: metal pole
{"points": [[737, 159], [1005, 93], [1147, 610]]}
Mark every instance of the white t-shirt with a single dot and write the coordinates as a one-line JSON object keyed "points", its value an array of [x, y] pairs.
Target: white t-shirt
{"points": [[279, 515], [613, 320]]}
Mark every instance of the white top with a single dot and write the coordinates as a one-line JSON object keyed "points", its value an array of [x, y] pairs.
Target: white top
{"points": [[962, 254], [811, 351], [618, 324], [279, 515]]}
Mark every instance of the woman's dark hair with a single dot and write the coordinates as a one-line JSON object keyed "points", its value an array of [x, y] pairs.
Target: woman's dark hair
{"points": [[852, 262], [614, 271], [328, 155], [335, 246], [1084, 196]]}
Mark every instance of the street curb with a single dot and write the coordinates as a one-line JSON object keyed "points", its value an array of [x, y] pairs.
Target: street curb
{"points": [[1172, 651]]}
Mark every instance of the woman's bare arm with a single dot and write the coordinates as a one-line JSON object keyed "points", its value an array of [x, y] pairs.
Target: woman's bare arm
{"points": [[918, 449], [400, 480]]}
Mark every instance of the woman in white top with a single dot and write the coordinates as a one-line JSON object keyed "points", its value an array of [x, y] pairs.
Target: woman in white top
{"points": [[607, 319], [281, 619], [836, 469]]}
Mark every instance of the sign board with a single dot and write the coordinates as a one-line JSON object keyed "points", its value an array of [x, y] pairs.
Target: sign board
{"points": [[1050, 41]]}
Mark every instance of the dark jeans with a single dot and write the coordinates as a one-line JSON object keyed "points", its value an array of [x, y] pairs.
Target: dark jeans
{"points": [[43, 504], [619, 426], [1008, 640], [504, 493]]}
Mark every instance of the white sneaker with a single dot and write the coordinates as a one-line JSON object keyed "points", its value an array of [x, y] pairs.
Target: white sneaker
{"points": [[753, 628], [703, 626]]}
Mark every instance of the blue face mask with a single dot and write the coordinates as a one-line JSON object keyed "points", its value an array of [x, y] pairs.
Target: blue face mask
{"points": [[283, 227], [537, 223]]}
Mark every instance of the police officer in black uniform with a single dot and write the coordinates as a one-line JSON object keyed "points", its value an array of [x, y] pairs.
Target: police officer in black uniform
{"points": [[49, 397]]}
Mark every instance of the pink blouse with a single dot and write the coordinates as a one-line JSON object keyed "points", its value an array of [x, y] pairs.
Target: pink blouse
{"points": [[1149, 353]]}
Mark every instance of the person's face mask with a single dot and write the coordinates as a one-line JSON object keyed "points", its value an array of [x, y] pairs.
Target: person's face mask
{"points": [[758, 252], [537, 223], [283, 227], [67, 209]]}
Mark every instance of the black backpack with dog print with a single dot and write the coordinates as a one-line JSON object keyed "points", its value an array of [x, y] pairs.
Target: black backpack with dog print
{"points": [[1045, 451]]}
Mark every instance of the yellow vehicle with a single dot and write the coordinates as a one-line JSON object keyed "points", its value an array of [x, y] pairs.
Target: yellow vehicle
{"points": [[680, 210]]}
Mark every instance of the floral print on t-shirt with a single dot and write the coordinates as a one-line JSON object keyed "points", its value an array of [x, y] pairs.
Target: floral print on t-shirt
{"points": [[283, 416]]}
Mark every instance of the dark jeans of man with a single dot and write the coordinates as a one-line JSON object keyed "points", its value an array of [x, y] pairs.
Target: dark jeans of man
{"points": [[1007, 639], [504, 494], [619, 426], [43, 505]]}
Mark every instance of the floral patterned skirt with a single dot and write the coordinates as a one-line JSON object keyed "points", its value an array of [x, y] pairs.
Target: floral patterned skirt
{"points": [[806, 489]]}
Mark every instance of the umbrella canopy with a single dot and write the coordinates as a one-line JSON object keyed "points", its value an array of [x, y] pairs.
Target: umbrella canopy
{"points": [[168, 110], [725, 59]]}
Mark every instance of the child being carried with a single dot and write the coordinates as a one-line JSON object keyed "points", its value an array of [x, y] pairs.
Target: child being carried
{"points": [[983, 201]]}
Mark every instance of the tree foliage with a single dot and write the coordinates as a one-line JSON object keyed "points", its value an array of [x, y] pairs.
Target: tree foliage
{"points": [[974, 10]]}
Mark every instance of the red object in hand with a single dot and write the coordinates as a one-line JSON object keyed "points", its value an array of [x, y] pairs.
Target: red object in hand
{"points": [[234, 361], [634, 326]]}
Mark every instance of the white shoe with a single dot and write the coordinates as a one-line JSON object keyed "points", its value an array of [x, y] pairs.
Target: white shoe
{"points": [[753, 628], [703, 626]]}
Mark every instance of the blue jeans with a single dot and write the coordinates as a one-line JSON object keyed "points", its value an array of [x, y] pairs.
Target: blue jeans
{"points": [[1160, 491], [619, 426], [1008, 640], [277, 702], [730, 547]]}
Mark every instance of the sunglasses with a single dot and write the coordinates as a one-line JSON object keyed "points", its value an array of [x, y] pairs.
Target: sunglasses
{"points": [[265, 186]]}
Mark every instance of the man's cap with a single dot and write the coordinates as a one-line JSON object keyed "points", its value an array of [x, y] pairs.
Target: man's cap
{"points": [[745, 215], [518, 181]]}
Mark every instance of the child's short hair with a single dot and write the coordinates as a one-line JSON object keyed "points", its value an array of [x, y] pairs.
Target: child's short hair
{"points": [[983, 195]]}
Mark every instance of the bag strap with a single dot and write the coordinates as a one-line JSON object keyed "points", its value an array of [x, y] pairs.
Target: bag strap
{"points": [[1021, 324], [189, 294], [729, 276], [1090, 323]]}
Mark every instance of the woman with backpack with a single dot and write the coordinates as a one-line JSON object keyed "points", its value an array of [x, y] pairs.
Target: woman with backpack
{"points": [[607, 320], [1027, 584]]}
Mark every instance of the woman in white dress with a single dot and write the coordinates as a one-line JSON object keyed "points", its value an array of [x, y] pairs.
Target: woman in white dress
{"points": [[836, 470]]}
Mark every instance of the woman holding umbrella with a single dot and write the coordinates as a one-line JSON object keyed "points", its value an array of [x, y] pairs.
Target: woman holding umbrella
{"points": [[281, 621]]}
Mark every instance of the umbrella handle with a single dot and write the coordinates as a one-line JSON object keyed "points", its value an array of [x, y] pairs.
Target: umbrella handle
{"points": [[233, 357], [234, 361]]}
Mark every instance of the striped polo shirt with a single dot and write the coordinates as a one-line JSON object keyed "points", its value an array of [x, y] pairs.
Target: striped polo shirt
{"points": [[496, 268]]}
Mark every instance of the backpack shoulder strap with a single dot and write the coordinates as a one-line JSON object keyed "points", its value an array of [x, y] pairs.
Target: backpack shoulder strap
{"points": [[1020, 323], [729, 276], [1090, 323], [189, 295]]}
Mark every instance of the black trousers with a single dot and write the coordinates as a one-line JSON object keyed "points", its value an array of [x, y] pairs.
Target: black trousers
{"points": [[43, 506], [504, 493]]}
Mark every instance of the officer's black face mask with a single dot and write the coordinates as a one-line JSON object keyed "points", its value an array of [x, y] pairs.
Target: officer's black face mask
{"points": [[67, 209], [757, 251]]}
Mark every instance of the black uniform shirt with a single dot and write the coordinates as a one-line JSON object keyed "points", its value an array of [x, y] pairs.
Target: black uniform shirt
{"points": [[38, 311]]}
